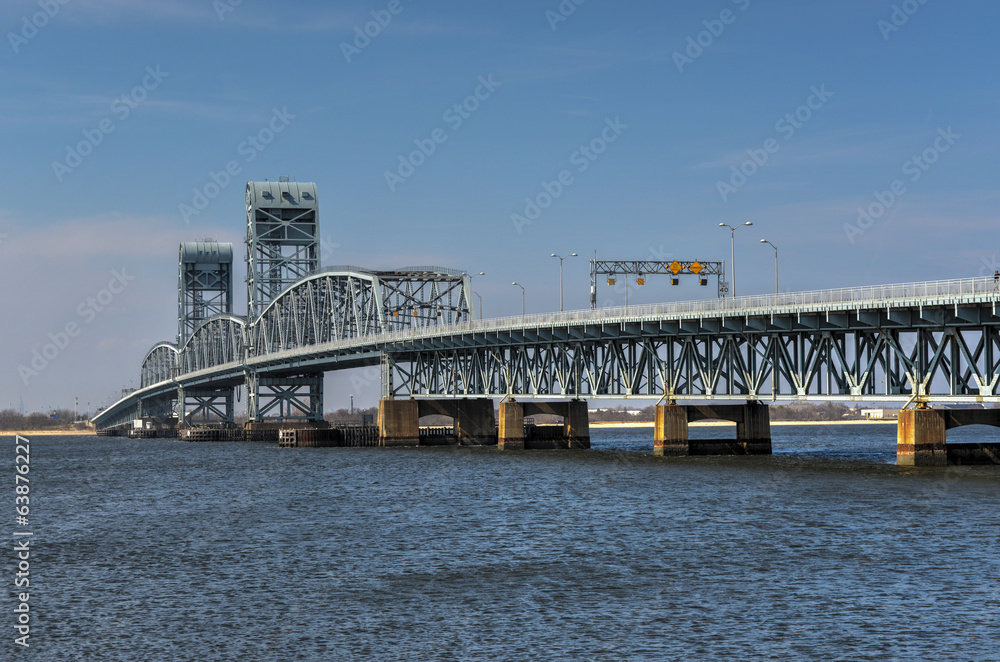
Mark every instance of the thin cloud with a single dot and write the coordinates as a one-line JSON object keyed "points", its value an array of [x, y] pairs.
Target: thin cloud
{"points": [[82, 239]]}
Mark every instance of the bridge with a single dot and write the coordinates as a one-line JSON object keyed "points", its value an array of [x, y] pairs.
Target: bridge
{"points": [[918, 344]]}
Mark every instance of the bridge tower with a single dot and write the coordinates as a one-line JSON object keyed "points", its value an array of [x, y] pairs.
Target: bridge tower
{"points": [[282, 246], [204, 290], [204, 284]]}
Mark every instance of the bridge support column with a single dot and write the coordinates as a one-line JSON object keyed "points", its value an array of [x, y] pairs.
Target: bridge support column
{"points": [[670, 431], [292, 398], [474, 422], [753, 430], [576, 424], [206, 406], [398, 423], [753, 433], [920, 438], [511, 437]]}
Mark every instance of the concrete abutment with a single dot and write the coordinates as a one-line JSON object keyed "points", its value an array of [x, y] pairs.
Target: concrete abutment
{"points": [[921, 437], [753, 430]]}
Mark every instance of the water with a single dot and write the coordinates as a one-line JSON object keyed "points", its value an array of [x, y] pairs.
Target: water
{"points": [[163, 550]]}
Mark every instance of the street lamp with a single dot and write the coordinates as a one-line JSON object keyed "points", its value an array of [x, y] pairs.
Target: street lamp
{"points": [[732, 245], [522, 297], [765, 241], [481, 273], [480, 297], [561, 258]]}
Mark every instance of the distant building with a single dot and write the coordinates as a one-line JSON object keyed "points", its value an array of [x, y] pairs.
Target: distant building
{"points": [[887, 414]]}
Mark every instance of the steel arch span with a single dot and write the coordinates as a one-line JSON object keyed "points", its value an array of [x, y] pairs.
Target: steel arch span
{"points": [[342, 303], [216, 341], [159, 365]]}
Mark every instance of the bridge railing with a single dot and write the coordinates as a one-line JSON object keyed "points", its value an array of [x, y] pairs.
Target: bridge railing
{"points": [[868, 296]]}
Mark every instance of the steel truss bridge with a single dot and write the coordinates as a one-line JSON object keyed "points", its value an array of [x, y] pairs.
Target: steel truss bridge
{"points": [[925, 342]]}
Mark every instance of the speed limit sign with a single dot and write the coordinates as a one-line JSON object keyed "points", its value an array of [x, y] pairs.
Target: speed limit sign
{"points": [[723, 288]]}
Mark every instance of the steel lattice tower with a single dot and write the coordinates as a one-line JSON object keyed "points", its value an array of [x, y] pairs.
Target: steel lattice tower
{"points": [[204, 290], [282, 247], [205, 284], [282, 239]]}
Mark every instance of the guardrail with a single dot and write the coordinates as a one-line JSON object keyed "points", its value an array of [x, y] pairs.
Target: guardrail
{"points": [[746, 305]]}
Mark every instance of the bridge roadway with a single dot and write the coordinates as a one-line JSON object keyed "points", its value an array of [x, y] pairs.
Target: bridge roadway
{"points": [[930, 342]]}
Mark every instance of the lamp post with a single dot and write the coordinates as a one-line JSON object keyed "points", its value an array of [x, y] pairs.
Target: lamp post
{"points": [[522, 297], [765, 241], [481, 273], [561, 258], [732, 245], [774, 359]]}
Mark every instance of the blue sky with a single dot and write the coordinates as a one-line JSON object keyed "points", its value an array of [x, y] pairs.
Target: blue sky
{"points": [[694, 89]]}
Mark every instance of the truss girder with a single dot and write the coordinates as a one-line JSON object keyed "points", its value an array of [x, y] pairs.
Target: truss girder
{"points": [[159, 365], [839, 364], [215, 342], [341, 305]]}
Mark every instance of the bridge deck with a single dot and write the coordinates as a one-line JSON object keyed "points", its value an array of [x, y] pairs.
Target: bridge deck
{"points": [[910, 307]]}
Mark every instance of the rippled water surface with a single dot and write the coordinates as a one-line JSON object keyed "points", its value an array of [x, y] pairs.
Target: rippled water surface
{"points": [[163, 550]]}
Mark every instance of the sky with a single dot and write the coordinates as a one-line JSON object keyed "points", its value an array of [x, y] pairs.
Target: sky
{"points": [[859, 137]]}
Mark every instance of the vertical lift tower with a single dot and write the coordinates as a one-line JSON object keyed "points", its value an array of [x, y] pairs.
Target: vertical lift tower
{"points": [[205, 290], [282, 247]]}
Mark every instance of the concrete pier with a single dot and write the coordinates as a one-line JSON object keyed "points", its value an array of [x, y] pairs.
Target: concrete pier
{"points": [[511, 432], [399, 420], [575, 431], [670, 431], [398, 423], [753, 430], [921, 437], [474, 419]]}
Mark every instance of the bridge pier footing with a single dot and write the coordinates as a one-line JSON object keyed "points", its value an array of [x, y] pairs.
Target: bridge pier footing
{"points": [[398, 423], [921, 437], [753, 430], [513, 435], [670, 431], [511, 428], [475, 424]]}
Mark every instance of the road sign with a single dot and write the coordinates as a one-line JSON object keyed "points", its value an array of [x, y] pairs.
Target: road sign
{"points": [[723, 288]]}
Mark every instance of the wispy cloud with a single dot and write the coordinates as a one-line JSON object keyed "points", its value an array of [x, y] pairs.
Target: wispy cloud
{"points": [[108, 12], [81, 239]]}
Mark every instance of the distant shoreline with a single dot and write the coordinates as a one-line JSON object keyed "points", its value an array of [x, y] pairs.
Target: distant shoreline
{"points": [[649, 424], [42, 433]]}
